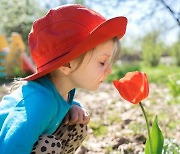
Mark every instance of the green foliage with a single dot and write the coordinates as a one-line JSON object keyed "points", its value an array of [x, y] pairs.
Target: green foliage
{"points": [[98, 129], [174, 84], [119, 71], [152, 48], [160, 73], [114, 118], [18, 16], [175, 51], [156, 138]]}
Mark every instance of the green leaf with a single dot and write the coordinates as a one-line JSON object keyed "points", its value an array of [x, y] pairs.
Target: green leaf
{"points": [[156, 138]]}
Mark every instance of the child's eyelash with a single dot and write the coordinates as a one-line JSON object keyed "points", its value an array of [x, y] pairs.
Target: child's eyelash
{"points": [[102, 63]]}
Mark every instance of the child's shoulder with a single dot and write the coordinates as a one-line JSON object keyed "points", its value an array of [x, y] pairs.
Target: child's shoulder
{"points": [[30, 90], [29, 94], [40, 86]]}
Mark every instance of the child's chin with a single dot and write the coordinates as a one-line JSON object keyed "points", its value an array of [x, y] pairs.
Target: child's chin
{"points": [[94, 88]]}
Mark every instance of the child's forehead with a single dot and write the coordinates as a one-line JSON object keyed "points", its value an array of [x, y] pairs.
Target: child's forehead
{"points": [[104, 49], [103, 54]]}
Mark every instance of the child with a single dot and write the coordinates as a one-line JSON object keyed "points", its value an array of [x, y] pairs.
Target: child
{"points": [[72, 47]]}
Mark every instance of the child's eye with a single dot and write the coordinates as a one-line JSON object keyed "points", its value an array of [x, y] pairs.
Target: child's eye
{"points": [[102, 63]]}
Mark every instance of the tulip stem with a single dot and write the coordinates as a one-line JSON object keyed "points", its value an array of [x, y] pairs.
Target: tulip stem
{"points": [[147, 125]]}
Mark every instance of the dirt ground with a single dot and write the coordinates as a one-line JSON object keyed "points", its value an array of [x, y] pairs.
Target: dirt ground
{"points": [[117, 126]]}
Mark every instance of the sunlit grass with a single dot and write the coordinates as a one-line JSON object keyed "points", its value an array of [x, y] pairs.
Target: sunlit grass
{"points": [[160, 73], [98, 128]]}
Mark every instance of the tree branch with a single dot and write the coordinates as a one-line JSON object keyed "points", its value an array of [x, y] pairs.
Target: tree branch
{"points": [[171, 11]]}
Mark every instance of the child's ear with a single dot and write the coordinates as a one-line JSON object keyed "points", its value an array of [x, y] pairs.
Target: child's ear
{"points": [[65, 69]]}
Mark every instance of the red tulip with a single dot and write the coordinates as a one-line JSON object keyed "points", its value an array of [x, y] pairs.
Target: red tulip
{"points": [[133, 87]]}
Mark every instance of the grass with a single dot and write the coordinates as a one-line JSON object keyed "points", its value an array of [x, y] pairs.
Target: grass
{"points": [[113, 117], [160, 74], [98, 128]]}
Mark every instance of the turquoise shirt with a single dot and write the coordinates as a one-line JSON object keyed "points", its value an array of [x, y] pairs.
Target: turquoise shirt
{"points": [[33, 109]]}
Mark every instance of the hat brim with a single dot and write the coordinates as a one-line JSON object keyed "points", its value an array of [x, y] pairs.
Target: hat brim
{"points": [[105, 31]]}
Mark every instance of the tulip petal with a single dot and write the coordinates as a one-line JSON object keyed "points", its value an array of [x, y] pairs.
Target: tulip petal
{"points": [[146, 86], [133, 87], [116, 84], [124, 91], [140, 88]]}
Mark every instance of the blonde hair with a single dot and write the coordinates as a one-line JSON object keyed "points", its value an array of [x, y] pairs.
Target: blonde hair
{"points": [[116, 52]]}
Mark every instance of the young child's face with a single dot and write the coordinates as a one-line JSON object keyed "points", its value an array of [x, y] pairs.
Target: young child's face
{"points": [[94, 68]]}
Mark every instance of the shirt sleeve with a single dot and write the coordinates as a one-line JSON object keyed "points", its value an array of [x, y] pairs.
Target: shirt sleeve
{"points": [[76, 103], [25, 123]]}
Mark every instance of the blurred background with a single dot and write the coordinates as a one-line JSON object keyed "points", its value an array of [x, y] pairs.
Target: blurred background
{"points": [[151, 44]]}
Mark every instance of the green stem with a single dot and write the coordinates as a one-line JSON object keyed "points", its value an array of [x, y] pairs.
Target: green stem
{"points": [[147, 125]]}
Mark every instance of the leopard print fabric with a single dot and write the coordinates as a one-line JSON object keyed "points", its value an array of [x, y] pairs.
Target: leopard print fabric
{"points": [[65, 140], [47, 144]]}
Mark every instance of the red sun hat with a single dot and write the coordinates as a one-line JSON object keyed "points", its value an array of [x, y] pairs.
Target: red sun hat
{"points": [[67, 32]]}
